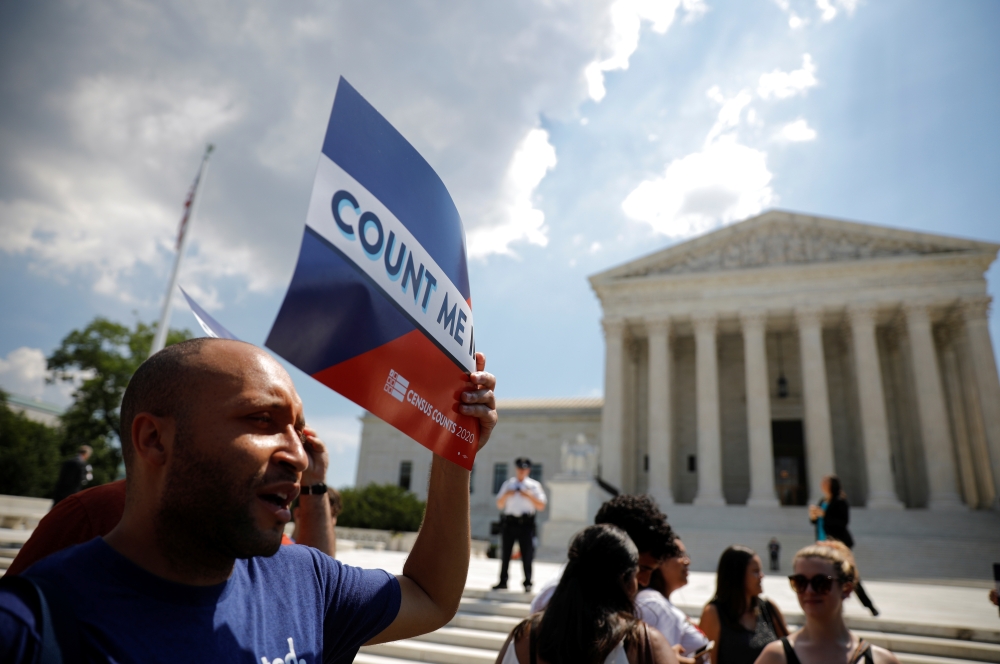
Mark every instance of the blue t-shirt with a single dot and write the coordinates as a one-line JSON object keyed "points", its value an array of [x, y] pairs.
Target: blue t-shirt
{"points": [[298, 601]]}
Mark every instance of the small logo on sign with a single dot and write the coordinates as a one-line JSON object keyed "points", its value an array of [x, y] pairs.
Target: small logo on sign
{"points": [[396, 385]]}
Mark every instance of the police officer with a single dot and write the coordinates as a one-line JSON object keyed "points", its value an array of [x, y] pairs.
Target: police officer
{"points": [[520, 497]]}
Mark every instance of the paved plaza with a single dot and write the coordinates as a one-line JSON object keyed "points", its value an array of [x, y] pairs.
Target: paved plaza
{"points": [[948, 610]]}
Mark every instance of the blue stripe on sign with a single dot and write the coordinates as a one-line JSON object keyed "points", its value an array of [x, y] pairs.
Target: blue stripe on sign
{"points": [[331, 312], [370, 149]]}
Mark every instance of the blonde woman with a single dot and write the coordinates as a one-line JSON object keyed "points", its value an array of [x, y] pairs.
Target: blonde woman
{"points": [[824, 576]]}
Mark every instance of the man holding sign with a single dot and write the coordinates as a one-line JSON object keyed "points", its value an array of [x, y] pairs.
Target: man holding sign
{"points": [[379, 309], [213, 446]]}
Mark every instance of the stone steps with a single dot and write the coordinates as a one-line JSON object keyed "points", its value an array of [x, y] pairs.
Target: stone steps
{"points": [[485, 619], [412, 650], [7, 556]]}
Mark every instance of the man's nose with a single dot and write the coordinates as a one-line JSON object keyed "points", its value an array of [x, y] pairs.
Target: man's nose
{"points": [[293, 451]]}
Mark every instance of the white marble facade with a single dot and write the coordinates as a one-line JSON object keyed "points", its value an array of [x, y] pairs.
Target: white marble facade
{"points": [[880, 337], [745, 364]]}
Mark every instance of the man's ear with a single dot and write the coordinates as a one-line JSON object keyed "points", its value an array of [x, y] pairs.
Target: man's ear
{"points": [[846, 589], [153, 438]]}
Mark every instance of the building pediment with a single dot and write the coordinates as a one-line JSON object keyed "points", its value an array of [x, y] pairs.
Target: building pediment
{"points": [[778, 238]]}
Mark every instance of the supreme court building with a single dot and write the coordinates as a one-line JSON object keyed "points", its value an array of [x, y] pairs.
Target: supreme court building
{"points": [[744, 365]]}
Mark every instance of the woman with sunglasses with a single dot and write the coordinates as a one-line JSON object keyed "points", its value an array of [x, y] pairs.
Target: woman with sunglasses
{"points": [[824, 577], [738, 619]]}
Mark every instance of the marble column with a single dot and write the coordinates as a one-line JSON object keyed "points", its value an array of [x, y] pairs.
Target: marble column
{"points": [[931, 411], [613, 413], [709, 425], [957, 410], [818, 429], [660, 420], [874, 422], [758, 410], [984, 364]]}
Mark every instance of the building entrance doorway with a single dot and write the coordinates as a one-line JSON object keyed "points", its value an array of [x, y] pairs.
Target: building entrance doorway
{"points": [[789, 462]]}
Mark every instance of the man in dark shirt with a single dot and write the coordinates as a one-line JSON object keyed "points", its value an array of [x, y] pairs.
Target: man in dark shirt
{"points": [[74, 474], [213, 441]]}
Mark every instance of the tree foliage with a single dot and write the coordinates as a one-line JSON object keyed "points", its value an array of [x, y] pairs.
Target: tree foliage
{"points": [[381, 506], [29, 454], [100, 359]]}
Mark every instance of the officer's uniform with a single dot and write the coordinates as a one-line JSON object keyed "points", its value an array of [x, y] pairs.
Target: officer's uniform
{"points": [[519, 524]]}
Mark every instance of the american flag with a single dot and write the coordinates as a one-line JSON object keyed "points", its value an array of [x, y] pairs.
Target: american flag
{"points": [[189, 203]]}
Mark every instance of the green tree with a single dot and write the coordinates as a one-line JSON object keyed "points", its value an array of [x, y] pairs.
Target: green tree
{"points": [[100, 359], [29, 454], [381, 506]]}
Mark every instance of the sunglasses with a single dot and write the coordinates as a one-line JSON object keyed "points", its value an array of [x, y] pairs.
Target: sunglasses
{"points": [[821, 584]]}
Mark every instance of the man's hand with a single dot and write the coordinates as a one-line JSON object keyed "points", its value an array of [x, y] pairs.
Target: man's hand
{"points": [[319, 460], [478, 400], [435, 571], [314, 516]]}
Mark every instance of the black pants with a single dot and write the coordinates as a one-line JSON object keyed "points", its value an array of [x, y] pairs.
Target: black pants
{"points": [[859, 590], [522, 530]]}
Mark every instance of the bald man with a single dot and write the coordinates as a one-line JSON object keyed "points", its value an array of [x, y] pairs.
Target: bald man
{"points": [[212, 436]]}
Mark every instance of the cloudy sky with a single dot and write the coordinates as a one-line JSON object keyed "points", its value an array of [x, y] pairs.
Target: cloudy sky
{"points": [[573, 135]]}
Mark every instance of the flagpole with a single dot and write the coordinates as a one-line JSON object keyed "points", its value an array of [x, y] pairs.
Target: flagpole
{"points": [[160, 339]]}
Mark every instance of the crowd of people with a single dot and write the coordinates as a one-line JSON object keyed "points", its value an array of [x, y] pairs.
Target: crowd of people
{"points": [[611, 602], [187, 557]]}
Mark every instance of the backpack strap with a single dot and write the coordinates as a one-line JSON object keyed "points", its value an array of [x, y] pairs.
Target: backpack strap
{"points": [[647, 646], [30, 590], [790, 656], [532, 643], [864, 649]]}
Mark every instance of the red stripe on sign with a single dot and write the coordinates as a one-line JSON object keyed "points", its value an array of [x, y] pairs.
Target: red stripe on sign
{"points": [[413, 386]]}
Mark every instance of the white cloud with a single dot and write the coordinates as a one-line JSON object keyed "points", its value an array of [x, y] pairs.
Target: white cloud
{"points": [[102, 217], [730, 113], [723, 183], [626, 22], [829, 8], [23, 372], [784, 84], [796, 132], [520, 220], [795, 21], [102, 151]]}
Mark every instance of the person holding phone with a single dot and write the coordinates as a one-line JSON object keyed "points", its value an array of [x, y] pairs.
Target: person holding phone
{"points": [[823, 578], [519, 497]]}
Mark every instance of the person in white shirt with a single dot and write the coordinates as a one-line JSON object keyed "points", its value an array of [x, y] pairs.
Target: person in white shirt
{"points": [[519, 498], [654, 607]]}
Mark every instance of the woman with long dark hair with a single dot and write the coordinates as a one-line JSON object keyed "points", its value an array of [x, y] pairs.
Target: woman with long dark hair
{"points": [[738, 619], [591, 616], [824, 574], [830, 517]]}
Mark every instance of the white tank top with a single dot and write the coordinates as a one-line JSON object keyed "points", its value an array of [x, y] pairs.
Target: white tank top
{"points": [[616, 656]]}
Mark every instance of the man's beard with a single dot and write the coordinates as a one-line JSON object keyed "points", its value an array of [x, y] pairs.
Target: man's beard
{"points": [[204, 510]]}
